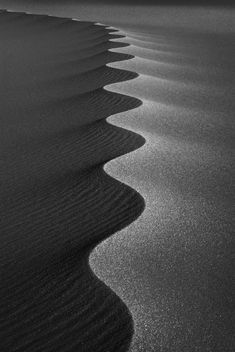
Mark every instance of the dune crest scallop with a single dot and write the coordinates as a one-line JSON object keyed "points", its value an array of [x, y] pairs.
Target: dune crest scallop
{"points": [[57, 201]]}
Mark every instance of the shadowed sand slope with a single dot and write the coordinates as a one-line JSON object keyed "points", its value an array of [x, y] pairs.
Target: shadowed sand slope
{"points": [[57, 203]]}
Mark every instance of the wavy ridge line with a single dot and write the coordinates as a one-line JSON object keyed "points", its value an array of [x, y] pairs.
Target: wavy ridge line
{"points": [[51, 299]]}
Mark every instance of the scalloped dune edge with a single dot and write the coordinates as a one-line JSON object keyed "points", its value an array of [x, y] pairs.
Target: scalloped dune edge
{"points": [[55, 187], [175, 259]]}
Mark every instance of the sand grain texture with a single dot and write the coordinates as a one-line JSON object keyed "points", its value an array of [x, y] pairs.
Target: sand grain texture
{"points": [[173, 266]]}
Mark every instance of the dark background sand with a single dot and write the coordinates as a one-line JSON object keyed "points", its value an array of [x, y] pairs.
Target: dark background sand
{"points": [[56, 201]]}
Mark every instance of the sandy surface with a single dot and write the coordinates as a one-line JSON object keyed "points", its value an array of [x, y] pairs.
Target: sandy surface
{"points": [[57, 203], [173, 266]]}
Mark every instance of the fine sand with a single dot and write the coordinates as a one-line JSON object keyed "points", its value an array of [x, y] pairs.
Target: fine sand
{"points": [[57, 203], [172, 267]]}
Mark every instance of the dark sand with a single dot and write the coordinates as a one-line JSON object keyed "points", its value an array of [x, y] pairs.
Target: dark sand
{"points": [[57, 203]]}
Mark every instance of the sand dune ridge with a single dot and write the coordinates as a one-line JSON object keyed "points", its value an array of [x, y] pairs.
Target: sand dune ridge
{"points": [[57, 201]]}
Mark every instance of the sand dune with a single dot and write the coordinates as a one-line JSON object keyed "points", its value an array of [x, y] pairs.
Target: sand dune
{"points": [[57, 203], [172, 267]]}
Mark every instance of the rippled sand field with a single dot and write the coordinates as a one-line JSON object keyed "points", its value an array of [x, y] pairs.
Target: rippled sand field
{"points": [[57, 203]]}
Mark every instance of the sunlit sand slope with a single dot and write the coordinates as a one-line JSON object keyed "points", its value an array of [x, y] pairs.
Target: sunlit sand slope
{"points": [[173, 267]]}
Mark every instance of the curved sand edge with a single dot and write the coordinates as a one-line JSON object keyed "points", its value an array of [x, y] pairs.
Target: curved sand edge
{"points": [[172, 266], [55, 142]]}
